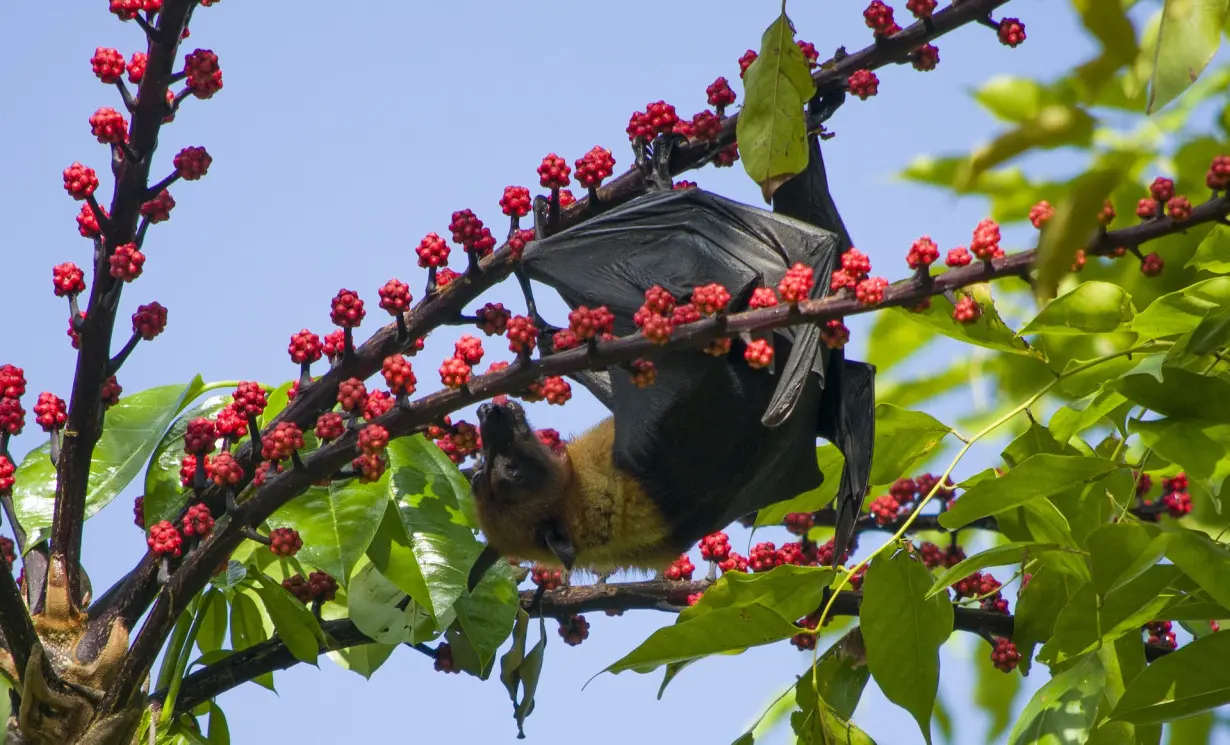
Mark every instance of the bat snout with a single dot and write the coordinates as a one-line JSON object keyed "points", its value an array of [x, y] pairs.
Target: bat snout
{"points": [[500, 425]]}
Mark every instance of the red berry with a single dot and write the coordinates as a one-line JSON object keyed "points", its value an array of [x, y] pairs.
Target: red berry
{"points": [[711, 299], [923, 253], [454, 372], [398, 375], [886, 509], [762, 297], [1152, 265], [198, 521], [50, 412], [87, 221], [856, 263], [1005, 656], [921, 8], [445, 277], [330, 426], [644, 373], [985, 244], [284, 440], [871, 291], [574, 630], [80, 181], [1162, 189], [556, 390], [516, 244], [715, 546], [323, 586], [192, 163], [370, 468], [231, 423], [372, 439], [516, 201], [1179, 208], [12, 381], [594, 166], [553, 172], [1146, 209], [351, 394], [746, 61], [204, 76], [763, 557], [809, 52], [864, 84], [395, 297], [305, 347], [522, 334], [149, 321], [469, 348], [12, 416], [796, 284], [298, 587], [249, 398], [878, 17], [966, 311], [1107, 215], [378, 404], [1040, 213], [706, 125], [493, 319], [108, 64], [136, 66], [759, 354], [733, 563], [680, 570], [285, 542], [159, 208], [719, 93], [200, 436], [685, 314], [109, 126], [958, 257], [7, 469], [226, 472], [127, 262], [165, 540], [727, 156], [1218, 177], [110, 393], [656, 328], [432, 251], [799, 523], [1011, 32], [347, 309], [926, 57], [67, 279]]}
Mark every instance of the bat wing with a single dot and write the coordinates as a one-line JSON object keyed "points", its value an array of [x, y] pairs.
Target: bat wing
{"points": [[695, 439]]}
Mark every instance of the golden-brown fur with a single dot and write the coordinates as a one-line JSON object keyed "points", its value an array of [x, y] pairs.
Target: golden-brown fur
{"points": [[607, 516]]}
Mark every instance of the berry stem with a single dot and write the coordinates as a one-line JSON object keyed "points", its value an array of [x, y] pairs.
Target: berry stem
{"points": [[130, 103], [157, 188], [250, 533], [118, 360], [54, 450], [177, 76], [103, 222], [152, 33], [254, 429]]}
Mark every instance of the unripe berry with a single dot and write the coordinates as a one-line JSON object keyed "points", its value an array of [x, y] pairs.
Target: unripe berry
{"points": [[1218, 177], [1179, 208], [1162, 189]]}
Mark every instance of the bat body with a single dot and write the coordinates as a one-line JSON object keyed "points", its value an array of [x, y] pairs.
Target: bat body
{"points": [[712, 439]]}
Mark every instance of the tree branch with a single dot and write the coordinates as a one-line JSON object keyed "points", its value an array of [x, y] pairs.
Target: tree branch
{"points": [[15, 622], [85, 413]]}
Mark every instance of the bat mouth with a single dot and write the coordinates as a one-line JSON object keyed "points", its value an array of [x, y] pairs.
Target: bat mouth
{"points": [[502, 425]]}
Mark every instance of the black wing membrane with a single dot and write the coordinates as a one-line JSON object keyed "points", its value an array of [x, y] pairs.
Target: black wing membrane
{"points": [[695, 439]]}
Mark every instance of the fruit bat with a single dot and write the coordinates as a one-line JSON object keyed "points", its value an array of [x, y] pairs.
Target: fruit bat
{"points": [[712, 439]]}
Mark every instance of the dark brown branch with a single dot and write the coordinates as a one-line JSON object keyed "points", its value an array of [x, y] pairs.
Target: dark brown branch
{"points": [[85, 407], [271, 655]]}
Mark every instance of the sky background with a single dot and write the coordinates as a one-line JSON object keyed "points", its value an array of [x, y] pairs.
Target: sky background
{"points": [[344, 133]]}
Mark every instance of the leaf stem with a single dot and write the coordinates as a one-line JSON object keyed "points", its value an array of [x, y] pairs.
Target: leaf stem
{"points": [[197, 610]]}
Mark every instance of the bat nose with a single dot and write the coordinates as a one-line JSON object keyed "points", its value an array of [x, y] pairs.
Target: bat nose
{"points": [[484, 410]]}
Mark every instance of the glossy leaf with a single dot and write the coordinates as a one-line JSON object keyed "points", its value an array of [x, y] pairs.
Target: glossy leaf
{"points": [[903, 631], [1087, 622], [1189, 681], [1213, 253], [902, 437], [1187, 40], [1090, 308], [1055, 125], [486, 615], [165, 494], [391, 552], [1065, 708], [1043, 475], [382, 612], [131, 430], [722, 631], [990, 331], [1116, 551], [790, 591], [248, 629], [771, 130], [1181, 393], [295, 624], [1183, 310]]}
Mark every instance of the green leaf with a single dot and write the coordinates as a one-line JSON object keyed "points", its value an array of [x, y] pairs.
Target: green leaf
{"points": [[1212, 334], [336, 523], [1213, 253], [1206, 562], [998, 556], [1037, 608], [165, 495], [1065, 708], [990, 331], [296, 626], [364, 659], [213, 626], [721, 631], [902, 437], [510, 661], [1187, 40], [131, 429], [1181, 393], [1192, 730], [393, 555], [219, 730], [1041, 476], [278, 400], [841, 674], [1088, 622], [893, 339], [1090, 308], [1189, 681], [1200, 447], [790, 591], [435, 506], [903, 632], [248, 629], [818, 723], [1078, 416], [830, 460], [1121, 552], [1013, 99], [528, 674], [486, 616], [1182, 311], [1074, 221], [772, 130], [381, 611]]}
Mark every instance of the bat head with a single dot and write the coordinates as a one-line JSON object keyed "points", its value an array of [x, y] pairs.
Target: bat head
{"points": [[517, 471]]}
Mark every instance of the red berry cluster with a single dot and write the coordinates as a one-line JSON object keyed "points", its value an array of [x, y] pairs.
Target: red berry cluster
{"points": [[200, 436], [574, 630], [165, 540], [1152, 265], [454, 372], [373, 439], [658, 117], [285, 542], [594, 166], [159, 208], [926, 57], [305, 347], [108, 64], [879, 18], [109, 126], [87, 221], [746, 61], [432, 251], [187, 470], [719, 93], [1175, 497], [282, 442], [493, 319], [50, 411], [516, 243], [395, 297], [680, 570], [806, 642], [553, 172], [643, 373], [759, 354], [551, 439], [136, 67], [398, 375], [192, 163], [967, 310], [796, 284], [985, 244], [654, 318], [522, 334], [346, 310], [204, 75], [198, 521], [921, 8], [515, 201], [138, 511], [864, 84], [1011, 32], [318, 587], [547, 577], [226, 470], [468, 230], [80, 181], [1218, 176], [1005, 656], [378, 404], [249, 398], [1040, 213], [1161, 634], [923, 253], [126, 262], [715, 547], [7, 469]]}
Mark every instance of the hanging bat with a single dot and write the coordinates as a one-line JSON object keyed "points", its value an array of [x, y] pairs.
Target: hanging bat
{"points": [[712, 439]]}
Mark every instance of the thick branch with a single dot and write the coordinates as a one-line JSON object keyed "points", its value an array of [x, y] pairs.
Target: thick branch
{"points": [[85, 413]]}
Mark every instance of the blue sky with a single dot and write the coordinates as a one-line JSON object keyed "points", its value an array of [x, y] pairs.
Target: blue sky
{"points": [[344, 133]]}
